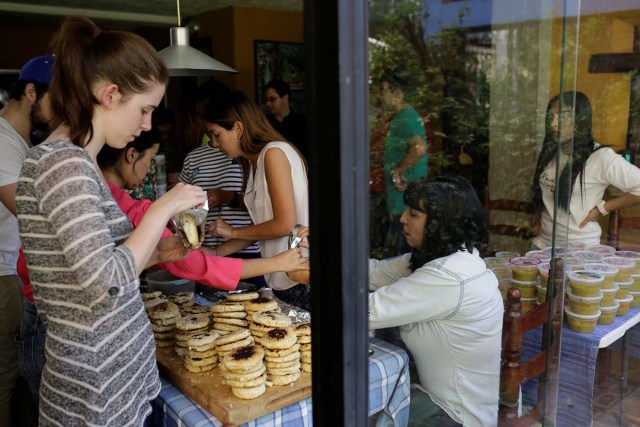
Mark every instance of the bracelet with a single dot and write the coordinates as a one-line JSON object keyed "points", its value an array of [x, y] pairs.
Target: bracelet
{"points": [[600, 206]]}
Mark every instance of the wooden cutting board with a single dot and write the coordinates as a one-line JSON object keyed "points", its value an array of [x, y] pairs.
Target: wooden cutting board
{"points": [[209, 390]]}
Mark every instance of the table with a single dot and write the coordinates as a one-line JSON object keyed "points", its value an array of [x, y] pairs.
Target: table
{"points": [[389, 391], [578, 354]]}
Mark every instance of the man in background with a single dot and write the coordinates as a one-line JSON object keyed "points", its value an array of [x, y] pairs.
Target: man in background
{"points": [[405, 155], [291, 124], [28, 112]]}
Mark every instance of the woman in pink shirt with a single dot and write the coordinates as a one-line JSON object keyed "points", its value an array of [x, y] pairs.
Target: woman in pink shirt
{"points": [[127, 167]]}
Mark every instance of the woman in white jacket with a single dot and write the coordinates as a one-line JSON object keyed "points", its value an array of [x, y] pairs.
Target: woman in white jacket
{"points": [[446, 302]]}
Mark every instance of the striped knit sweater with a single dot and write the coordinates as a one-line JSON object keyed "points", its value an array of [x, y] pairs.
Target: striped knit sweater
{"points": [[101, 367]]}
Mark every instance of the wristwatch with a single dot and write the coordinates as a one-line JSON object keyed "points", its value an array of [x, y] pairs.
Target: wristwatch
{"points": [[601, 208]]}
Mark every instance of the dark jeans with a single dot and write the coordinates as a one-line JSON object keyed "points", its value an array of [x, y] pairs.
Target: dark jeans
{"points": [[30, 344], [258, 280]]}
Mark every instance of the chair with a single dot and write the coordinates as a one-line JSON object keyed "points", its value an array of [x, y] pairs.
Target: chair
{"points": [[623, 232], [544, 365], [505, 224]]}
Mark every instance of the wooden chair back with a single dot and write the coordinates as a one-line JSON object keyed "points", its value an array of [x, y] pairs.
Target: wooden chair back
{"points": [[544, 365], [623, 232]]}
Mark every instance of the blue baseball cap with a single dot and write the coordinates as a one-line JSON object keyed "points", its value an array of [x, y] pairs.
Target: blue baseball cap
{"points": [[38, 69]]}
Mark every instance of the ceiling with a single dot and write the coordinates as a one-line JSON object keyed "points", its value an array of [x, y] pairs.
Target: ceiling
{"points": [[126, 13]]}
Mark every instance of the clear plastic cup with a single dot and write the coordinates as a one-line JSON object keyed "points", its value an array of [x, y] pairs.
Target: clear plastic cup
{"points": [[608, 271], [608, 295], [524, 268], [503, 272], [635, 256], [625, 267], [580, 322], [608, 313], [542, 294], [493, 261], [585, 283], [623, 288], [584, 305], [543, 271]]}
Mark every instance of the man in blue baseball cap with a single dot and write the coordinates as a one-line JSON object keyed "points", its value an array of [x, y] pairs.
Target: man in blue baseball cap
{"points": [[27, 111]]}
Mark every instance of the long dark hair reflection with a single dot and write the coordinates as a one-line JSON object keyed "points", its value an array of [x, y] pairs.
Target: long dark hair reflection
{"points": [[455, 217]]}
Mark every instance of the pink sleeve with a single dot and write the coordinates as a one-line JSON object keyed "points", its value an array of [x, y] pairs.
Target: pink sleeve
{"points": [[210, 270]]}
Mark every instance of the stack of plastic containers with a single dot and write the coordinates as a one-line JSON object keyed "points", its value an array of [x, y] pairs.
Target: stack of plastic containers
{"points": [[524, 272], [584, 300], [623, 280], [501, 269], [634, 290]]}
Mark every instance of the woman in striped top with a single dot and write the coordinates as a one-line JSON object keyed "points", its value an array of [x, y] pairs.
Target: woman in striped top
{"points": [[83, 256]]}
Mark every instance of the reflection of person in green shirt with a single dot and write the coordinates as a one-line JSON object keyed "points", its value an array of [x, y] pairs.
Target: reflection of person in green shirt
{"points": [[405, 155]]}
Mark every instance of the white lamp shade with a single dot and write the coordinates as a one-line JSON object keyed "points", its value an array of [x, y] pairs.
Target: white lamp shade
{"points": [[184, 60]]}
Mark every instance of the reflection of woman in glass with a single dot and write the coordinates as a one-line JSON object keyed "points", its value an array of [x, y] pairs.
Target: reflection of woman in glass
{"points": [[446, 303], [588, 168]]}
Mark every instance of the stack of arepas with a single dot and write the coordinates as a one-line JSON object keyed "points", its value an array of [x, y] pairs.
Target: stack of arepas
{"points": [[303, 332], [149, 299], [182, 299], [229, 315], [244, 371], [196, 310], [259, 304], [186, 327], [163, 317], [282, 358], [226, 344], [202, 355]]}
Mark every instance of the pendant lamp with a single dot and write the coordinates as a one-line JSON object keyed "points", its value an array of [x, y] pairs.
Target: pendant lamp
{"points": [[184, 60]]}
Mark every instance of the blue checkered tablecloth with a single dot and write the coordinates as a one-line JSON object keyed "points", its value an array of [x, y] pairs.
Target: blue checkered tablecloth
{"points": [[389, 391], [578, 354]]}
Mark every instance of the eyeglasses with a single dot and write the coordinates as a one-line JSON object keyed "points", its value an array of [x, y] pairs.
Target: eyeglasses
{"points": [[271, 98]]}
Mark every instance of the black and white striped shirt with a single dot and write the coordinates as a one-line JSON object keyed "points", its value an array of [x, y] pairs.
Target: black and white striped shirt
{"points": [[208, 168]]}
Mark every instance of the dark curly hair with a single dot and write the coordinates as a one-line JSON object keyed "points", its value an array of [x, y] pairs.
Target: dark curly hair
{"points": [[455, 217]]}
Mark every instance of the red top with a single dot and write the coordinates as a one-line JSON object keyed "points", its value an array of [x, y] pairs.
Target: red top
{"points": [[23, 273], [210, 270]]}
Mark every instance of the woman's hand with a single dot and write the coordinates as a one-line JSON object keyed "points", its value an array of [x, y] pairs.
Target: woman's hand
{"points": [[219, 197], [168, 249], [299, 276], [219, 228], [303, 232], [182, 197], [592, 216], [291, 260]]}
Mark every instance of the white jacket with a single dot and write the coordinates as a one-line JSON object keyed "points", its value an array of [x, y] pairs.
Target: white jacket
{"points": [[450, 317]]}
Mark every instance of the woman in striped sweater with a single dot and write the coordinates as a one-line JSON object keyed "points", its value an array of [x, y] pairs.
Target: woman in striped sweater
{"points": [[83, 256]]}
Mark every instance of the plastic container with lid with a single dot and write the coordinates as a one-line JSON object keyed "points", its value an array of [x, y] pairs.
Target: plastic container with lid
{"points": [[636, 299], [503, 272], [524, 268], [608, 313], [493, 261], [584, 305], [574, 263], [623, 288], [543, 271], [625, 267], [585, 283], [601, 249], [559, 251], [588, 256], [507, 255], [527, 304], [527, 289], [624, 305], [635, 256], [167, 283], [542, 294], [541, 255], [608, 271], [583, 323], [608, 295], [636, 283]]}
